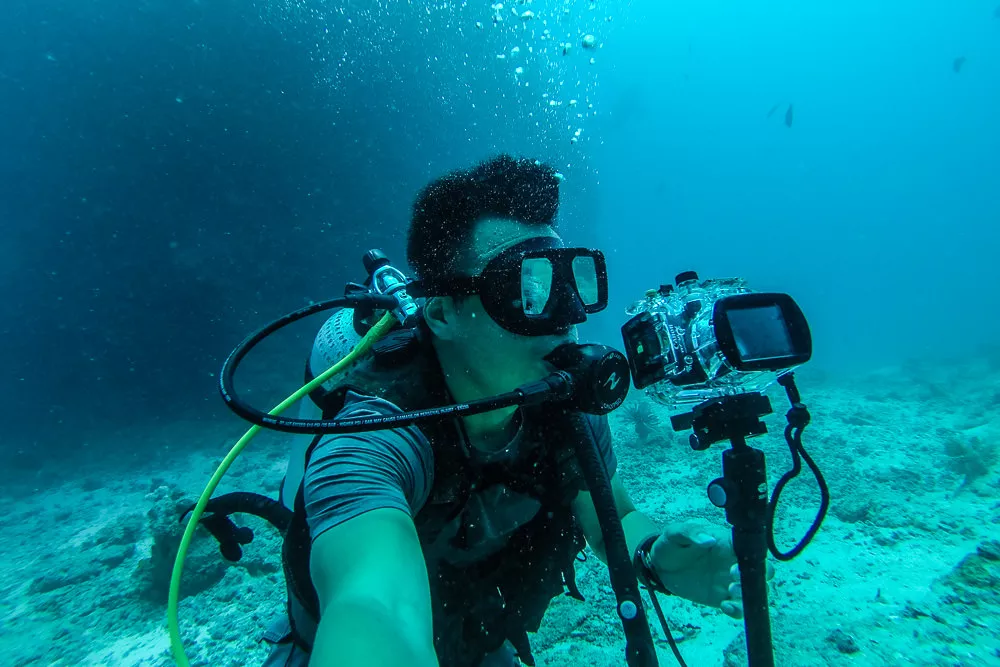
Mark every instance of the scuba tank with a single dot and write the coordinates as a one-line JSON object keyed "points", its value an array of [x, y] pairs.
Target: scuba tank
{"points": [[334, 341]]}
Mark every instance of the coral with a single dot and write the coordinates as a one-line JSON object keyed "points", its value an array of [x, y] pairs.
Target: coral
{"points": [[970, 457], [844, 642], [975, 581], [204, 567], [853, 508]]}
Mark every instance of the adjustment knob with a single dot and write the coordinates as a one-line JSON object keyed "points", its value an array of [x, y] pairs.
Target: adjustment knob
{"points": [[696, 443], [718, 494]]}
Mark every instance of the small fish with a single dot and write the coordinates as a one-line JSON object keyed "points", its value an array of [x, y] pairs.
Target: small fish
{"points": [[957, 64], [773, 109], [789, 116]]}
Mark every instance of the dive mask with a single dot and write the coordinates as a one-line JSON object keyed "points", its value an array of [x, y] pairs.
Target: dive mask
{"points": [[534, 288]]}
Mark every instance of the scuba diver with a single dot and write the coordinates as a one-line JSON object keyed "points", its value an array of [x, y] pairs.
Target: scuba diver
{"points": [[444, 543]]}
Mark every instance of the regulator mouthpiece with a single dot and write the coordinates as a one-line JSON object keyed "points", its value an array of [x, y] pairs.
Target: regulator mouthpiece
{"points": [[600, 375]]}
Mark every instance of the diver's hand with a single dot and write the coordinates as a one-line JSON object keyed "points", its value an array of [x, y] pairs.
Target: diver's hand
{"points": [[696, 562]]}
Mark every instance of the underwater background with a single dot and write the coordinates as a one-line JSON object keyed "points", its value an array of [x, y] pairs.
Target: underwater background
{"points": [[174, 175]]}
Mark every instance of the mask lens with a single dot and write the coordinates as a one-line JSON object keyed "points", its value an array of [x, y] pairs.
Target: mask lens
{"points": [[536, 285], [585, 275]]}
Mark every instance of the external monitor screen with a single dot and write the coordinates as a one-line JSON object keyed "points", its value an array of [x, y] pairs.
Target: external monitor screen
{"points": [[761, 333]]}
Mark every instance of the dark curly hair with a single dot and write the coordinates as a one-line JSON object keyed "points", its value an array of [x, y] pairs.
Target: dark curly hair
{"points": [[446, 210]]}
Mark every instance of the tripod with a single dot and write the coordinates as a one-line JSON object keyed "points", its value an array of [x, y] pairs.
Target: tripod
{"points": [[742, 492]]}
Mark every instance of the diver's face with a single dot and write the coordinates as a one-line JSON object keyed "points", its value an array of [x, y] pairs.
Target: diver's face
{"points": [[486, 343]]}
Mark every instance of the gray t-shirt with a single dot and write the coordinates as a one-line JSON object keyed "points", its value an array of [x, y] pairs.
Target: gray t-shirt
{"points": [[350, 474]]}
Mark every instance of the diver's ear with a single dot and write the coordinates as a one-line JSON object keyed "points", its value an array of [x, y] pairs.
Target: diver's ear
{"points": [[440, 316]]}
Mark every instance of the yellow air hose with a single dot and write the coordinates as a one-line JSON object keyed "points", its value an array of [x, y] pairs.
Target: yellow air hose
{"points": [[176, 646]]}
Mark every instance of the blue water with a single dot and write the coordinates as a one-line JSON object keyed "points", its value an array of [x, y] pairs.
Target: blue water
{"points": [[877, 209]]}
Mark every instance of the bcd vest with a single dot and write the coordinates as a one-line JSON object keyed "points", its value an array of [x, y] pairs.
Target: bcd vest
{"points": [[475, 608]]}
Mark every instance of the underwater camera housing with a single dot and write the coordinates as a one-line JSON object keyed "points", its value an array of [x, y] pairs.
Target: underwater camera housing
{"points": [[712, 338]]}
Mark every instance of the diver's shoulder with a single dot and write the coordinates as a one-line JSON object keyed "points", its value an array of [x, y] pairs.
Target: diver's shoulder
{"points": [[359, 406]]}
